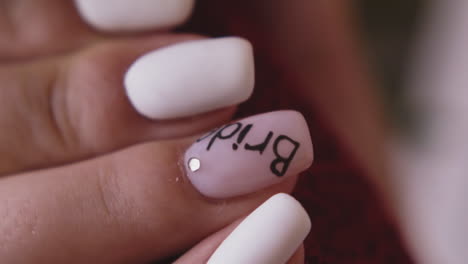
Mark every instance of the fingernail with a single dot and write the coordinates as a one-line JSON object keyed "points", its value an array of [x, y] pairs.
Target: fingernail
{"points": [[135, 15], [249, 155], [269, 235], [191, 78]]}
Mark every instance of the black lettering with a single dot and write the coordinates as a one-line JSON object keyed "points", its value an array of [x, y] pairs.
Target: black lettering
{"points": [[262, 146], [241, 136], [219, 134], [286, 161], [207, 135]]}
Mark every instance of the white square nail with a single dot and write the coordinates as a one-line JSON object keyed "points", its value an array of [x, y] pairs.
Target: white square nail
{"points": [[134, 15], [269, 235], [191, 78]]}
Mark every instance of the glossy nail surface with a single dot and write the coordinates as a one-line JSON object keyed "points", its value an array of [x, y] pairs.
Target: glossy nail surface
{"points": [[248, 155], [269, 235], [134, 15], [191, 78]]}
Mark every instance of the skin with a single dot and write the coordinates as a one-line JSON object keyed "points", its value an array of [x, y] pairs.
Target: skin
{"points": [[83, 177], [65, 189]]}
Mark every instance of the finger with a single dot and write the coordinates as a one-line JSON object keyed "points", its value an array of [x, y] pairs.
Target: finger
{"points": [[276, 246], [124, 16], [140, 203], [79, 106], [43, 27], [271, 234], [33, 28], [202, 251]]}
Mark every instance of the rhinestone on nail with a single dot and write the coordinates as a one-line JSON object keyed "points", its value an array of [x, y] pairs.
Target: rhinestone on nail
{"points": [[194, 164]]}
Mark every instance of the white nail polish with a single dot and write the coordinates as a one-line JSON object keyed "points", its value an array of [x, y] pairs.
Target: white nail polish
{"points": [[269, 235], [190, 78], [134, 15]]}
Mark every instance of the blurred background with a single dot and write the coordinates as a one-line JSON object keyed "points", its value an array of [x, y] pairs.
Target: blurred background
{"points": [[388, 30], [342, 64]]}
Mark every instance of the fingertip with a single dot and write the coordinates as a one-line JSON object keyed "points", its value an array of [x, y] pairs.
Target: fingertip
{"points": [[269, 235], [191, 78], [205, 251], [136, 15], [249, 155]]}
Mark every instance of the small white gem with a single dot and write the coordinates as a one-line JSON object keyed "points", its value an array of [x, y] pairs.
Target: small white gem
{"points": [[194, 164]]}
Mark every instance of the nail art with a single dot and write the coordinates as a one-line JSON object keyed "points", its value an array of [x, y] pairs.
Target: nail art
{"points": [[248, 155], [269, 235], [191, 78], [136, 15]]}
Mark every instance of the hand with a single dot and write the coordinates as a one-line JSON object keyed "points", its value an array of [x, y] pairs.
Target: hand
{"points": [[87, 177]]}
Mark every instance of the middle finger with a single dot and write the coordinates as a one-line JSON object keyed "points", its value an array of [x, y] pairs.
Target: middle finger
{"points": [[84, 110]]}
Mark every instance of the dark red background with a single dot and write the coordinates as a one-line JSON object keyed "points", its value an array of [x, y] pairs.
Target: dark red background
{"points": [[349, 224]]}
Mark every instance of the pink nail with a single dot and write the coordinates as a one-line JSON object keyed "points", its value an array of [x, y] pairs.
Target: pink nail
{"points": [[249, 155]]}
